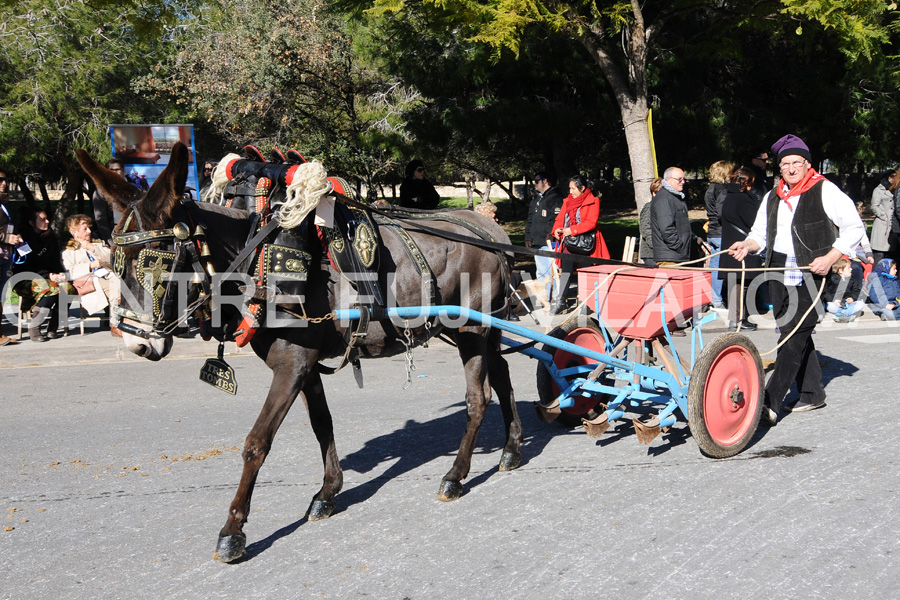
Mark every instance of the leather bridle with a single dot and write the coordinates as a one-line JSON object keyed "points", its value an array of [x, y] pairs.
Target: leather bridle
{"points": [[166, 251]]}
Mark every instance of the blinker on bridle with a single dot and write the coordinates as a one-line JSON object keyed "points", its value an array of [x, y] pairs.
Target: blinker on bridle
{"points": [[154, 269]]}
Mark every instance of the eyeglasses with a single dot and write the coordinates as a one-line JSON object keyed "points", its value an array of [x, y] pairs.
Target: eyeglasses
{"points": [[3, 179], [762, 158], [677, 179], [420, 170], [794, 164], [207, 168], [536, 179]]}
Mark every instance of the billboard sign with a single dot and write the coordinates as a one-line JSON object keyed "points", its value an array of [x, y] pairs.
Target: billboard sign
{"points": [[145, 151]]}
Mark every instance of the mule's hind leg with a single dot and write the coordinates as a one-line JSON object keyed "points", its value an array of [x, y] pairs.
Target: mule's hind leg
{"points": [[472, 347], [498, 376], [320, 417]]}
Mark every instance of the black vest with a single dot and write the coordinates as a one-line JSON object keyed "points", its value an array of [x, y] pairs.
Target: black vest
{"points": [[812, 232]]}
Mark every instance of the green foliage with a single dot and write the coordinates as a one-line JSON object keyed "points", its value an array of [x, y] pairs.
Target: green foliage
{"points": [[859, 23], [487, 114], [280, 73], [70, 76]]}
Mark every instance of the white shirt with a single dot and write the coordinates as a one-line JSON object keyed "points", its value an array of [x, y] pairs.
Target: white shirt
{"points": [[837, 205]]}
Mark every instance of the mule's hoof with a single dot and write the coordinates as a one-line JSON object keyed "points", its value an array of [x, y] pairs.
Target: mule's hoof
{"points": [[321, 509], [510, 460], [450, 490], [230, 548]]}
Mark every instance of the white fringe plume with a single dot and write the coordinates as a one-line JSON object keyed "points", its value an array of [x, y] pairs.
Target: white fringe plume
{"points": [[303, 194], [219, 179]]}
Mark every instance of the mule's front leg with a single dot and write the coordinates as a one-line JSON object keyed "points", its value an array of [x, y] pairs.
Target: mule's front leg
{"points": [[472, 351], [285, 387]]}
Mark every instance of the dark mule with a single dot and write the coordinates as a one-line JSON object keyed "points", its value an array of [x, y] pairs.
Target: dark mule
{"points": [[293, 352]]}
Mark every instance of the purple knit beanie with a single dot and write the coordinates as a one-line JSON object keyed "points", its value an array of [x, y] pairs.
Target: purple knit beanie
{"points": [[790, 145]]}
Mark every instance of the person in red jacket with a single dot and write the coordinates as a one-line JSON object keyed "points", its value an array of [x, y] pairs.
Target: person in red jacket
{"points": [[579, 214]]}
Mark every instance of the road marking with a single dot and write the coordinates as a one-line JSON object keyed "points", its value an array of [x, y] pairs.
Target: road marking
{"points": [[884, 338]]}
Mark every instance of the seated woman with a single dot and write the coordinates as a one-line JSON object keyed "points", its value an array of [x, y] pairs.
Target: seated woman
{"points": [[416, 191], [40, 294], [579, 215], [87, 261]]}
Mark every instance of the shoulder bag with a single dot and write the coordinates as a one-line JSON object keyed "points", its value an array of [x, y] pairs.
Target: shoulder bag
{"points": [[84, 285], [583, 243]]}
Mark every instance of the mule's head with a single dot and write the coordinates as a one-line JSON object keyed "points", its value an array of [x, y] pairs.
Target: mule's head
{"points": [[142, 262]]}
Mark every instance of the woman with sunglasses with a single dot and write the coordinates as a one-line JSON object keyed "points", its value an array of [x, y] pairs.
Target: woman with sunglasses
{"points": [[416, 191]]}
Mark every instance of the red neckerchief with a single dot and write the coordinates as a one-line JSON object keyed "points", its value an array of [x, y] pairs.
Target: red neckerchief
{"points": [[576, 203], [786, 193]]}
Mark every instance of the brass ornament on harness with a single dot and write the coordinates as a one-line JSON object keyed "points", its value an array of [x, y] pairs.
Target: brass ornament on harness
{"points": [[366, 244], [284, 262], [181, 231], [336, 241], [152, 267], [119, 262]]}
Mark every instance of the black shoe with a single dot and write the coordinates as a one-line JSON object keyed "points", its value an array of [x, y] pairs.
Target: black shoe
{"points": [[558, 307], [513, 317], [40, 338], [53, 335], [805, 404], [745, 326], [768, 417]]}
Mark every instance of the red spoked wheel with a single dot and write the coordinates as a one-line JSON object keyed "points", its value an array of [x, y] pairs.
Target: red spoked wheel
{"points": [[725, 395], [583, 332]]}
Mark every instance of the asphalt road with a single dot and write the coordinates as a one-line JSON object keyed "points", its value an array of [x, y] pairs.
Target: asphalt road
{"points": [[117, 475]]}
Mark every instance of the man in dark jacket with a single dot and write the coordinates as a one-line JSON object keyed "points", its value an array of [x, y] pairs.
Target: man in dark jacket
{"points": [[669, 221], [541, 214]]}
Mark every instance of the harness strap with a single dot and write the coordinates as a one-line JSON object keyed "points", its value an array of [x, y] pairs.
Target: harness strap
{"points": [[250, 248], [350, 354], [415, 253], [486, 244]]}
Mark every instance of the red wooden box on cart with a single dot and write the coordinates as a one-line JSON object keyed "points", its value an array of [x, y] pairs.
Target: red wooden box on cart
{"points": [[629, 297]]}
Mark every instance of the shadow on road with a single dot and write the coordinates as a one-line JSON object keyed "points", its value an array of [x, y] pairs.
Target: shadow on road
{"points": [[832, 368], [416, 444]]}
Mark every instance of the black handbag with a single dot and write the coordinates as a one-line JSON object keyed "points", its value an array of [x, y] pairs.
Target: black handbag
{"points": [[583, 243]]}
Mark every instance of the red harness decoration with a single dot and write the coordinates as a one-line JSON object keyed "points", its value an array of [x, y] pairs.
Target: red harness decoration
{"points": [[250, 322]]}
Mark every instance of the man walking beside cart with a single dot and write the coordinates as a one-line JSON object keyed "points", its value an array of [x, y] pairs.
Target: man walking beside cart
{"points": [[795, 224]]}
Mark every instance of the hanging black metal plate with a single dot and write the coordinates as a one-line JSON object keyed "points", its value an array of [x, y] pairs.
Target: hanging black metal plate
{"points": [[219, 374]]}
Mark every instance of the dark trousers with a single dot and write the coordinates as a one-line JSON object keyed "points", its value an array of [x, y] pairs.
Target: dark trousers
{"points": [[796, 359]]}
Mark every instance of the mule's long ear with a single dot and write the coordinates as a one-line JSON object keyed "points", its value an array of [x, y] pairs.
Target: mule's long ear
{"points": [[168, 188], [118, 192]]}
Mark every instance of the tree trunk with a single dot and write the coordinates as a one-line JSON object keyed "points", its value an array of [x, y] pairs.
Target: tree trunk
{"points": [[72, 191], [470, 185], [630, 89], [639, 150], [486, 194], [42, 185]]}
